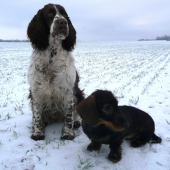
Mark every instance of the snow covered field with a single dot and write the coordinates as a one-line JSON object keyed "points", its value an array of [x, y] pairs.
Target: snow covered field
{"points": [[138, 73]]}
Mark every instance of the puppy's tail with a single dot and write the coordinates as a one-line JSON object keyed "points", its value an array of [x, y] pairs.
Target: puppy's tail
{"points": [[155, 139]]}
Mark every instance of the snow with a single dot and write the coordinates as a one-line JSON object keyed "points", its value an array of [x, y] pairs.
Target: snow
{"points": [[138, 73]]}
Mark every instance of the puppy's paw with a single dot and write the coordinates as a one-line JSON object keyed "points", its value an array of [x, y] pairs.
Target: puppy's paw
{"points": [[38, 137], [93, 147], [136, 143], [76, 124], [114, 157]]}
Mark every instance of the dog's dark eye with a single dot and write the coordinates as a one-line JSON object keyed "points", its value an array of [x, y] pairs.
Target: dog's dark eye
{"points": [[50, 14], [108, 109]]}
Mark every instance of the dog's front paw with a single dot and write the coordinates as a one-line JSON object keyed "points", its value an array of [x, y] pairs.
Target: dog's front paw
{"points": [[93, 147], [67, 133], [37, 137], [114, 157], [67, 136], [76, 124], [136, 143]]}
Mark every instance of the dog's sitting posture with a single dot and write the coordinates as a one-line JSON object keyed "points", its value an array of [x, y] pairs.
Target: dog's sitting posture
{"points": [[104, 122], [52, 76]]}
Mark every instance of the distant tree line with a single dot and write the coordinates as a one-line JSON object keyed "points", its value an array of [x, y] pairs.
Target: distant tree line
{"points": [[165, 37], [14, 40]]}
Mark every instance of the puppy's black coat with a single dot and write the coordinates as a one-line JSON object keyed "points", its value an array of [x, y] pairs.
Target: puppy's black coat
{"points": [[104, 122]]}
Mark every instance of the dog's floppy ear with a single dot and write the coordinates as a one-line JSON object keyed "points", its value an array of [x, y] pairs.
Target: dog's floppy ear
{"points": [[70, 40], [88, 111], [38, 32]]}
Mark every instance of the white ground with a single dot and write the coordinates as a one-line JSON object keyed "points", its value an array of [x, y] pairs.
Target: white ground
{"points": [[138, 73]]}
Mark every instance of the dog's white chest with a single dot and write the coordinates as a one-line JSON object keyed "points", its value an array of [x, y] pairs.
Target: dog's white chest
{"points": [[64, 71], [52, 75]]}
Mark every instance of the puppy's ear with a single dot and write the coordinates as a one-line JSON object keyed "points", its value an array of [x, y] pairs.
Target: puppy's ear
{"points": [[38, 32], [88, 111]]}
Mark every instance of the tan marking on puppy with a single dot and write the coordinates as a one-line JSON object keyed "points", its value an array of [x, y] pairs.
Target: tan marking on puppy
{"points": [[109, 125], [130, 136], [104, 138]]}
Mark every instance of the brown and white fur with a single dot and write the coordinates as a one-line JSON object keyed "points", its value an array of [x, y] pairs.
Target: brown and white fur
{"points": [[52, 76]]}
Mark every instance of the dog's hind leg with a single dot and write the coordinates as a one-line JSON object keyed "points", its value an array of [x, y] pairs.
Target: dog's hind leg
{"points": [[142, 138]]}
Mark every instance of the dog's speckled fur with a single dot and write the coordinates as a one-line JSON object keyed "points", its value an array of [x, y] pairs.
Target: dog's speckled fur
{"points": [[52, 76]]}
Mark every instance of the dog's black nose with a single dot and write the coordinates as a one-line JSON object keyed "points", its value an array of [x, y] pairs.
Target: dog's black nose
{"points": [[62, 22]]}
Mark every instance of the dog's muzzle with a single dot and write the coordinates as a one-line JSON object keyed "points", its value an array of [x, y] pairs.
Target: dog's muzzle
{"points": [[60, 28]]}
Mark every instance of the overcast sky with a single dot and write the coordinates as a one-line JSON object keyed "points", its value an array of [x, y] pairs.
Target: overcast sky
{"points": [[94, 20]]}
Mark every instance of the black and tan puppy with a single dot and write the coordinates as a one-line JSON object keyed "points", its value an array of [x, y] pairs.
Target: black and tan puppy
{"points": [[104, 122]]}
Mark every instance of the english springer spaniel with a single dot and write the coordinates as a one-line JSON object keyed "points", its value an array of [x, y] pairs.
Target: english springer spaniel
{"points": [[52, 76]]}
